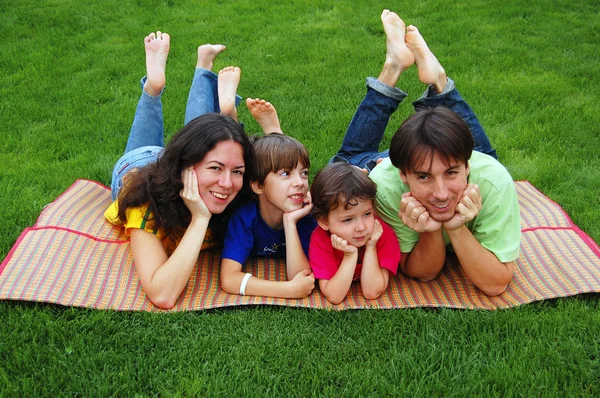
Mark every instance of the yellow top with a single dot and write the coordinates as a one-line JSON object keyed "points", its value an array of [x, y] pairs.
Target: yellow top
{"points": [[141, 218]]}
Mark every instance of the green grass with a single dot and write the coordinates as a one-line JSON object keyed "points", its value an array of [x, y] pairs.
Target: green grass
{"points": [[68, 90]]}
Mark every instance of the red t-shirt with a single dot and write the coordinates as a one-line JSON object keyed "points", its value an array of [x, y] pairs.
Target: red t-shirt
{"points": [[325, 260]]}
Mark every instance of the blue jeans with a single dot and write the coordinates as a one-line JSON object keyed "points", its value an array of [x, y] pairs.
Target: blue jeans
{"points": [[146, 137], [361, 142]]}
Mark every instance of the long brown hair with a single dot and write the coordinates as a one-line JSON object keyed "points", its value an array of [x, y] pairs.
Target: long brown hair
{"points": [[158, 184]]}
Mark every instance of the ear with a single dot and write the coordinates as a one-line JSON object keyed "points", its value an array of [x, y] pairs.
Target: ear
{"points": [[256, 187], [468, 169], [403, 177], [323, 223]]}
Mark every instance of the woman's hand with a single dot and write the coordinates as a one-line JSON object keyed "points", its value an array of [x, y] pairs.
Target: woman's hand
{"points": [[190, 195]]}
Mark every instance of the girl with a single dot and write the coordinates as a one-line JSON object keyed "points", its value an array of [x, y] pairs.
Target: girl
{"points": [[350, 243]]}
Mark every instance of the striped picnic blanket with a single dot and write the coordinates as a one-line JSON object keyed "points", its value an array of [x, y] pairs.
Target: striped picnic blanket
{"points": [[73, 257]]}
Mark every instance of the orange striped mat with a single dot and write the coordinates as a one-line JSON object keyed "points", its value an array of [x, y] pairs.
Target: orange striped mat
{"points": [[73, 257]]}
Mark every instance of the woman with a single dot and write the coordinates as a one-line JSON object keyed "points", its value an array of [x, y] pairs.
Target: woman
{"points": [[174, 201]]}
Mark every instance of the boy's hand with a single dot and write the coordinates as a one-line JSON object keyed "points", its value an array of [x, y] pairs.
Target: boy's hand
{"points": [[376, 234], [467, 209], [296, 215], [415, 216], [302, 284], [342, 245]]}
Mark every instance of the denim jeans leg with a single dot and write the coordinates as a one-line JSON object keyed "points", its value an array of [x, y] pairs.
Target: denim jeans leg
{"points": [[365, 132], [204, 95], [134, 159], [450, 98], [147, 128]]}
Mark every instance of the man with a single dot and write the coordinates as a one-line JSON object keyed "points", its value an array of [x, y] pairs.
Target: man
{"points": [[434, 190]]}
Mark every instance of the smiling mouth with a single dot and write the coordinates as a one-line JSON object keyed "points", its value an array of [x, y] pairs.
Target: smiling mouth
{"points": [[297, 197], [219, 195]]}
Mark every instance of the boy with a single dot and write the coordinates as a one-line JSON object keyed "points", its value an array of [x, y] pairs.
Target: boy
{"points": [[277, 223], [350, 243]]}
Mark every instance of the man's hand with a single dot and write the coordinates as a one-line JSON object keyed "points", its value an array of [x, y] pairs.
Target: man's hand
{"points": [[467, 209], [415, 216]]}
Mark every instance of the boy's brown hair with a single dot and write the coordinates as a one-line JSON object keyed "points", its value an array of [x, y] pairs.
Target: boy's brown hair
{"points": [[275, 152], [340, 184]]}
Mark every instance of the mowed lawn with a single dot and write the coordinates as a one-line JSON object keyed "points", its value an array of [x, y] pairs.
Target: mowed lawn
{"points": [[69, 84]]}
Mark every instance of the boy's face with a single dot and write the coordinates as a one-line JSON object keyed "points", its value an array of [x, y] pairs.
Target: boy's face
{"points": [[440, 188], [284, 190], [354, 224]]}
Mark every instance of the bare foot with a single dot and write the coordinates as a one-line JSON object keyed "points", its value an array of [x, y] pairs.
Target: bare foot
{"points": [[229, 79], [398, 57], [207, 54], [265, 114], [430, 70], [157, 50]]}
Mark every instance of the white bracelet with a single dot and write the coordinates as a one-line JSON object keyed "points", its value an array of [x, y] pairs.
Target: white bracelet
{"points": [[244, 283]]}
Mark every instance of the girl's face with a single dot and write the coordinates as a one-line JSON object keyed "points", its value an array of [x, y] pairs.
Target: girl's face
{"points": [[221, 175], [354, 224]]}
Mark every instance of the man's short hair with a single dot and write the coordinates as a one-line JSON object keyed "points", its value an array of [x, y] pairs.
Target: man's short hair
{"points": [[428, 132]]}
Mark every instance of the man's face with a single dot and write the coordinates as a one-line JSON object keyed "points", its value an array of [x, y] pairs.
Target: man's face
{"points": [[439, 188]]}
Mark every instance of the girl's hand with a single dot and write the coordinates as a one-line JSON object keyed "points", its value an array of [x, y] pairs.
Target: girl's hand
{"points": [[376, 234], [191, 196], [342, 245]]}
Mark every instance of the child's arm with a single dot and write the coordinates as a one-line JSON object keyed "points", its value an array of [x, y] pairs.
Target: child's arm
{"points": [[373, 279], [336, 288], [232, 276], [295, 258]]}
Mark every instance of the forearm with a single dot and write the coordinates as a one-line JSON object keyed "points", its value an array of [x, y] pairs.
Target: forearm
{"points": [[427, 258], [295, 258], [336, 288], [168, 281], [373, 279], [480, 265], [231, 281]]}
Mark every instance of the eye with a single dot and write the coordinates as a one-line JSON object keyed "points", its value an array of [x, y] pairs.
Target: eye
{"points": [[346, 220], [422, 177], [215, 168], [367, 214], [304, 173], [238, 172], [284, 173], [452, 172]]}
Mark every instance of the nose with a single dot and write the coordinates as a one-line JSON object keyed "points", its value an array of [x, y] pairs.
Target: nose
{"points": [[225, 180], [360, 226], [296, 179], [440, 191]]}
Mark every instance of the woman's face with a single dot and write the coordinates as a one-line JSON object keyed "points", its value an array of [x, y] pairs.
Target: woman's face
{"points": [[221, 175]]}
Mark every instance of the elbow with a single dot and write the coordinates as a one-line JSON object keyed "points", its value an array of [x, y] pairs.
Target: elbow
{"points": [[335, 300], [227, 284], [163, 302], [493, 289], [372, 293]]}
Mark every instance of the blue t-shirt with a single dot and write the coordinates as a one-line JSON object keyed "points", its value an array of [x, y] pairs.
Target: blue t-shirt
{"points": [[249, 235]]}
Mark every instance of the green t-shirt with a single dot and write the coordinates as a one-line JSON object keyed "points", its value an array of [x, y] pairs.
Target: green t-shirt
{"points": [[497, 227]]}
